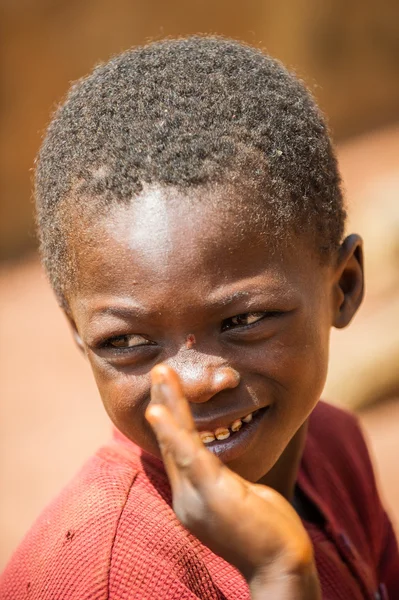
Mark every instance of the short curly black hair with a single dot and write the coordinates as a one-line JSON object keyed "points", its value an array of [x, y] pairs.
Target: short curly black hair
{"points": [[188, 112]]}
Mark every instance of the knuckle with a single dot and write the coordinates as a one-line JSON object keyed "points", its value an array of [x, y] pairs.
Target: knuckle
{"points": [[190, 509]]}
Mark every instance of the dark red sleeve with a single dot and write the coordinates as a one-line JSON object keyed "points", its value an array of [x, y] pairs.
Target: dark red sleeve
{"points": [[389, 560], [67, 552], [382, 534], [339, 467]]}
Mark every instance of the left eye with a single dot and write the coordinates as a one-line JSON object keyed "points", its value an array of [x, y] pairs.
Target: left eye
{"points": [[127, 341], [242, 320]]}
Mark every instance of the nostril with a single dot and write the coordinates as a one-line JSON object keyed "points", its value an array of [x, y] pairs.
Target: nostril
{"points": [[214, 381], [202, 375], [227, 377]]}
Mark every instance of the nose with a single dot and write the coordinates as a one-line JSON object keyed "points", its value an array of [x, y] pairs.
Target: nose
{"points": [[203, 376]]}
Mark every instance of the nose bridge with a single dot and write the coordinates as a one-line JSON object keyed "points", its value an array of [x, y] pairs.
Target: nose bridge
{"points": [[203, 375]]}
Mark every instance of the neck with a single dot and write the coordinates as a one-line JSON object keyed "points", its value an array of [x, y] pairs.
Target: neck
{"points": [[282, 477]]}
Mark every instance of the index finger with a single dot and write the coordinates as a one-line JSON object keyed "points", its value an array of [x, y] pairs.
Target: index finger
{"points": [[167, 389]]}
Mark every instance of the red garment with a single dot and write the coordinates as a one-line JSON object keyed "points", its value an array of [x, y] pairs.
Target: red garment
{"points": [[112, 534]]}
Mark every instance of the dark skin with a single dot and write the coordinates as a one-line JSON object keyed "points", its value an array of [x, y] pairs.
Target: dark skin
{"points": [[238, 326]]}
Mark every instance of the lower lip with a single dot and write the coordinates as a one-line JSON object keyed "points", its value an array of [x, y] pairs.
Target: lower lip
{"points": [[239, 441]]}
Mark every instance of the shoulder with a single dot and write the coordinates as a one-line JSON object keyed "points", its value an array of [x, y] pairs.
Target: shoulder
{"points": [[326, 417], [112, 533], [337, 433], [336, 446], [153, 555], [337, 467], [67, 551]]}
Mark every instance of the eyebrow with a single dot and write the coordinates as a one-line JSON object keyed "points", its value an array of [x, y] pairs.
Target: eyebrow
{"points": [[230, 298], [123, 312], [138, 311]]}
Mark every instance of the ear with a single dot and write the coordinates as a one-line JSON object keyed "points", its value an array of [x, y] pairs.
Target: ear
{"points": [[75, 333], [349, 277]]}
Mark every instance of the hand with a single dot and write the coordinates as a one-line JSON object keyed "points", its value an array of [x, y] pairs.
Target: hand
{"points": [[249, 525]]}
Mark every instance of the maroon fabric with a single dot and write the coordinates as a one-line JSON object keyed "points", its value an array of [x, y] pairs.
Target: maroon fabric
{"points": [[112, 534]]}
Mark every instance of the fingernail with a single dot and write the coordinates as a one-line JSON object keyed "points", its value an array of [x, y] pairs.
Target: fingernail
{"points": [[157, 376]]}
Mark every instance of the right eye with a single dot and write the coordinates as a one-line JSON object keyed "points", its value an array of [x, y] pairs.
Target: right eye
{"points": [[125, 342], [243, 320]]}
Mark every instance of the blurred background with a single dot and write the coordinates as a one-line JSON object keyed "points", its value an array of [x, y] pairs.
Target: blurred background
{"points": [[347, 51]]}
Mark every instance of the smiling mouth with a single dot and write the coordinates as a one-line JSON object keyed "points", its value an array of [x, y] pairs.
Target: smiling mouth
{"points": [[222, 433]]}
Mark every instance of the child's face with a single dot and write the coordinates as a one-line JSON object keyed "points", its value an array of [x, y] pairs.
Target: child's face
{"points": [[164, 280]]}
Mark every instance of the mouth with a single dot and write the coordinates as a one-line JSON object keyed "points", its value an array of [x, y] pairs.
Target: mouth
{"points": [[222, 433], [229, 442]]}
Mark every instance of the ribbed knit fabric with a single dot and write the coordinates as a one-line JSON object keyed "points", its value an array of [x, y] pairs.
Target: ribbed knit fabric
{"points": [[112, 535]]}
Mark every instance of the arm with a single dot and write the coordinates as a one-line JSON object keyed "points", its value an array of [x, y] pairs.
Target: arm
{"points": [[251, 526]]}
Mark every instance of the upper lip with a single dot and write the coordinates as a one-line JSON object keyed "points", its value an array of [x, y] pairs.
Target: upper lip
{"points": [[223, 420]]}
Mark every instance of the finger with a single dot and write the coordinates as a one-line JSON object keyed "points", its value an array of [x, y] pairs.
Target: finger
{"points": [[184, 455], [180, 439], [165, 431], [280, 505], [178, 446], [167, 389]]}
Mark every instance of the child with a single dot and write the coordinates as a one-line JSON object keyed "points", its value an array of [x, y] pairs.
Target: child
{"points": [[190, 214]]}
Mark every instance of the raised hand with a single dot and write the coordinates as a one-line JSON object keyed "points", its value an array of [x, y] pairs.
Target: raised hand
{"points": [[251, 526]]}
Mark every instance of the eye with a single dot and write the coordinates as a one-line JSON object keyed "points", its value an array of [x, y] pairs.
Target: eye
{"points": [[124, 342], [244, 320]]}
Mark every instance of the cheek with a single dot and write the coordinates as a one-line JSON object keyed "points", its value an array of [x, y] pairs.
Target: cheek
{"points": [[125, 400], [296, 360], [306, 364]]}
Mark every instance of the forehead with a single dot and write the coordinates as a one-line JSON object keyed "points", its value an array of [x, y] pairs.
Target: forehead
{"points": [[168, 239]]}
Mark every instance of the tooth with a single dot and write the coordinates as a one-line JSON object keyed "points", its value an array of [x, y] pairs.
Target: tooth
{"points": [[236, 425], [222, 433], [206, 437], [248, 418]]}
